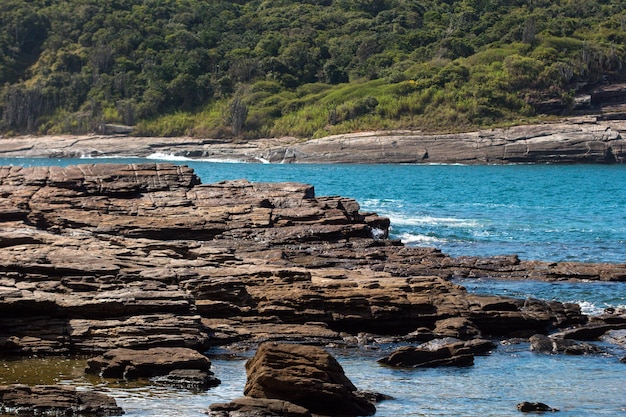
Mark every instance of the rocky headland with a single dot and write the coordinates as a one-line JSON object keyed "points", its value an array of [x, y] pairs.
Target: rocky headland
{"points": [[585, 139], [100, 257]]}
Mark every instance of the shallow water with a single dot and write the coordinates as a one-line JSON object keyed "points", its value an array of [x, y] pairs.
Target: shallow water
{"points": [[578, 386], [542, 212]]}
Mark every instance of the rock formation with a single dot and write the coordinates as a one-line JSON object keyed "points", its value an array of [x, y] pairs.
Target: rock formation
{"points": [[578, 140], [307, 376], [257, 407], [430, 355], [97, 257], [173, 366], [534, 407], [55, 400]]}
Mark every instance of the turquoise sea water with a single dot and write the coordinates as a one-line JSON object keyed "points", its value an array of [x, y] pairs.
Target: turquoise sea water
{"points": [[544, 212], [547, 212]]}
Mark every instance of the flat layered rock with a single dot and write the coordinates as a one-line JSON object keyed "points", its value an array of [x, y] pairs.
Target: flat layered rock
{"points": [[257, 407], [145, 363], [576, 140], [434, 354], [55, 400], [101, 256]]}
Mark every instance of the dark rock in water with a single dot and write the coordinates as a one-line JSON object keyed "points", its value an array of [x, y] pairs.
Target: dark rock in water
{"points": [[530, 407], [191, 379], [257, 407], [55, 400], [131, 363], [623, 360], [542, 344], [429, 355], [480, 346], [459, 327], [373, 397], [615, 337], [304, 375], [592, 331], [570, 347], [555, 344]]}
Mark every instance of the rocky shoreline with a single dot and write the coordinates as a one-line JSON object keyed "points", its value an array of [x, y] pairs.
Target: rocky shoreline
{"points": [[576, 140], [99, 257]]}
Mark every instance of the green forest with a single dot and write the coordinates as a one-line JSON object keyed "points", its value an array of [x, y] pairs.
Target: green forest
{"points": [[252, 69]]}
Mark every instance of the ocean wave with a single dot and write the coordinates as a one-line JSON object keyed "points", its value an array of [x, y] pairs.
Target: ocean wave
{"points": [[376, 203], [406, 220], [172, 157], [591, 309], [417, 239], [167, 157]]}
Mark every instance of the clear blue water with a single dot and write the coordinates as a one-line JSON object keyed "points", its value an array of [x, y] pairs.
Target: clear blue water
{"points": [[546, 212], [543, 212]]}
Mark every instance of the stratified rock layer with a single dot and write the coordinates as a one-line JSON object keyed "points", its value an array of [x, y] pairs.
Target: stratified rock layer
{"points": [[55, 400], [97, 257], [577, 140], [168, 364]]}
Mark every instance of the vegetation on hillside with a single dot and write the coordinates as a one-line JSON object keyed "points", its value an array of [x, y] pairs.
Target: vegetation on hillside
{"points": [[311, 68]]}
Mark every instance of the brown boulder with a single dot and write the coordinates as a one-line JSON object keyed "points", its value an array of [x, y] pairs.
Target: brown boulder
{"points": [[59, 400], [304, 375]]}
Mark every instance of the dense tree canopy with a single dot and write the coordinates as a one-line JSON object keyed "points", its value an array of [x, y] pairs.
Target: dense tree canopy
{"points": [[310, 68]]}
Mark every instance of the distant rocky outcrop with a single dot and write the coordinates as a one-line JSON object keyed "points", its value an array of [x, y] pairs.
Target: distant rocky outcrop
{"points": [[586, 139], [98, 257]]}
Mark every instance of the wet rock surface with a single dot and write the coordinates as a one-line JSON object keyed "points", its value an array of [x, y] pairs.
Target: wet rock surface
{"points": [[534, 407], [99, 257], [554, 344], [55, 400], [434, 354]]}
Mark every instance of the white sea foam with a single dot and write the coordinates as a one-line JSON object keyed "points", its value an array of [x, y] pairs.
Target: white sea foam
{"points": [[417, 239], [434, 221], [167, 157], [591, 309], [171, 157]]}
